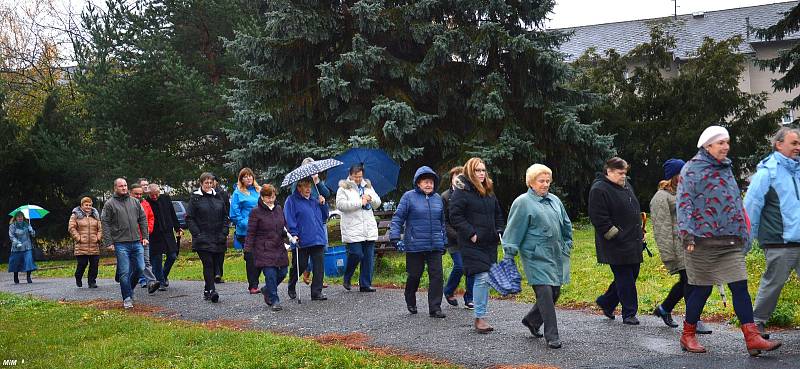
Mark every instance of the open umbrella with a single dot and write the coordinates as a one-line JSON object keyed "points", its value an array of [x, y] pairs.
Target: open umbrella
{"points": [[307, 170], [379, 168], [30, 211]]}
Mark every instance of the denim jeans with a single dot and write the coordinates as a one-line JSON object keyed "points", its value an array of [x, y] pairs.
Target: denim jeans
{"points": [[162, 271], [130, 264], [363, 253], [455, 278], [480, 292], [273, 277]]}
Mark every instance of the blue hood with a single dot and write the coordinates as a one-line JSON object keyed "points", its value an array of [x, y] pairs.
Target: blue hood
{"points": [[425, 170]]}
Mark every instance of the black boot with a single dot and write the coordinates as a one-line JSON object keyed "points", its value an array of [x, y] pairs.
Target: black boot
{"points": [[28, 277], [78, 281], [214, 296], [16, 278], [206, 295]]}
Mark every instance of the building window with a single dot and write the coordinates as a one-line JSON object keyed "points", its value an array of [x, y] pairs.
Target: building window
{"points": [[788, 118]]}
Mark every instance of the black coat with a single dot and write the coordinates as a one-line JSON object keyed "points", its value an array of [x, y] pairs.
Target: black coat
{"points": [[266, 236], [452, 233], [611, 205], [207, 221], [473, 214], [162, 240]]}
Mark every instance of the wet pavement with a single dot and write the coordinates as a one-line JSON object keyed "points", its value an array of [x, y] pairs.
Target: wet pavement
{"points": [[590, 340]]}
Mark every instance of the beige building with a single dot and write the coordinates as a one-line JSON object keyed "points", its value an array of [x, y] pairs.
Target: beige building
{"points": [[689, 31]]}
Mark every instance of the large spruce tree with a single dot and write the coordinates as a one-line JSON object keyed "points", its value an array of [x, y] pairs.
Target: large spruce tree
{"points": [[431, 82], [788, 61]]}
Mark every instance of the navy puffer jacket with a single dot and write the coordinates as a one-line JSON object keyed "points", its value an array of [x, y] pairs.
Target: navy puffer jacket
{"points": [[422, 216]]}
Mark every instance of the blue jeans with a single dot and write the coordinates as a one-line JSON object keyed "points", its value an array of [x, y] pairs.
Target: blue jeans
{"points": [[363, 253], [455, 278], [481, 294], [130, 264], [162, 271], [273, 277]]}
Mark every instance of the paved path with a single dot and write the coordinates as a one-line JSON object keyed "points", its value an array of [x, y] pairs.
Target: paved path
{"points": [[590, 340]]}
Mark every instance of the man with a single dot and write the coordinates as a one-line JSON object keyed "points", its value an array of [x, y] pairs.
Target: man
{"points": [[148, 279], [145, 184], [226, 200], [615, 214], [123, 219], [163, 239], [772, 202]]}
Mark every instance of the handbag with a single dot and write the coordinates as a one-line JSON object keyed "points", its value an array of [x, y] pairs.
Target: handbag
{"points": [[505, 278]]}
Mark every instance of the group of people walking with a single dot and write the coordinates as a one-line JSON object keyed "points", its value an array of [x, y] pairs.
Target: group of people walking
{"points": [[702, 228]]}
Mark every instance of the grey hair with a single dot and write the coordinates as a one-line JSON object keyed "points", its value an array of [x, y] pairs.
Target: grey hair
{"points": [[781, 135], [153, 187], [307, 160]]}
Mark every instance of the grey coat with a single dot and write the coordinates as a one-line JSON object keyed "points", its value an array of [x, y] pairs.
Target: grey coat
{"points": [[665, 230], [123, 220]]}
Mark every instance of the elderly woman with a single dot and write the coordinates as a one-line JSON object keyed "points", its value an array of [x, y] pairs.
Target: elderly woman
{"points": [[207, 218], [265, 240], [21, 235], [615, 214], [356, 199], [540, 231], [86, 230], [714, 229], [305, 220], [243, 201], [420, 214], [477, 217]]}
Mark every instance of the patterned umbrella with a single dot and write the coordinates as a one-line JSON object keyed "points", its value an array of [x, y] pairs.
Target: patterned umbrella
{"points": [[505, 278], [307, 170], [30, 211]]}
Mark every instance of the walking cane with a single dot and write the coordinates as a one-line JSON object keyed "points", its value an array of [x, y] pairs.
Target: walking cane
{"points": [[296, 253], [722, 295]]}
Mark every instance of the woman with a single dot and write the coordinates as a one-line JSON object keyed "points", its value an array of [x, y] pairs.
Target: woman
{"points": [[670, 248], [421, 214], [539, 230], [305, 220], [479, 220], [265, 240], [21, 235], [714, 230], [207, 221], [455, 252], [86, 230], [244, 199], [321, 192], [616, 216], [356, 199]]}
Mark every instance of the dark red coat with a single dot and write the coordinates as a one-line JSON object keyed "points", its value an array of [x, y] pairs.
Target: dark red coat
{"points": [[266, 236]]}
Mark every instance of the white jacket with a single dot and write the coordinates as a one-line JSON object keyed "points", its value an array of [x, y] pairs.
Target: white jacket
{"points": [[357, 224]]}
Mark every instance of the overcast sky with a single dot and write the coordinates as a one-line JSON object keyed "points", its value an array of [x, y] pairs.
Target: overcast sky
{"points": [[571, 13]]}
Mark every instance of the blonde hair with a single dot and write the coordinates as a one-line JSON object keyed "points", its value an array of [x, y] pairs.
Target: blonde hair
{"points": [[240, 184], [484, 189], [670, 185], [534, 171], [86, 199]]}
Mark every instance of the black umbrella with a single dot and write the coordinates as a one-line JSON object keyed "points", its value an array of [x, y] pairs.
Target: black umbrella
{"points": [[307, 170]]}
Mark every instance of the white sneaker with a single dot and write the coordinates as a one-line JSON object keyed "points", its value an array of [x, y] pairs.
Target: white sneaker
{"points": [[127, 303]]}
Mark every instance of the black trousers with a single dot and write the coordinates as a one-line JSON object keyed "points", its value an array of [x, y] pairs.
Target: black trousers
{"points": [[92, 261], [253, 273], [210, 260], [317, 254], [543, 311], [680, 290], [622, 290], [415, 265]]}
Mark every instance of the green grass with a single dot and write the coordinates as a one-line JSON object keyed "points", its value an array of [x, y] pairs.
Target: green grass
{"points": [[589, 279], [94, 338]]}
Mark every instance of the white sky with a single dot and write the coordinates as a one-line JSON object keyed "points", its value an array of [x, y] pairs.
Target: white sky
{"points": [[571, 13]]}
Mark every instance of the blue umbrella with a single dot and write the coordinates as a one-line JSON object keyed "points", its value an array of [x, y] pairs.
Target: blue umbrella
{"points": [[379, 168], [307, 170]]}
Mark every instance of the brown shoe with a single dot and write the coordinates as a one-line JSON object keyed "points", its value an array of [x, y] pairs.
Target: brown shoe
{"points": [[689, 339], [482, 327], [306, 277], [755, 343]]}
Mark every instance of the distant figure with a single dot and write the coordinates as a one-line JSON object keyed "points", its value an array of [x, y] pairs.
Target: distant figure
{"points": [[21, 235]]}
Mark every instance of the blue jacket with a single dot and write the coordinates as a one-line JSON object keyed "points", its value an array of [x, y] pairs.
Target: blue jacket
{"points": [[305, 218], [422, 216], [773, 200], [241, 205], [21, 236]]}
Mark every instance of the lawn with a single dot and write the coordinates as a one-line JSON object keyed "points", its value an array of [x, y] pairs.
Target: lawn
{"points": [[589, 279], [103, 338]]}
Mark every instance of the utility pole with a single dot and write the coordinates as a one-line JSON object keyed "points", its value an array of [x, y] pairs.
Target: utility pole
{"points": [[676, 9]]}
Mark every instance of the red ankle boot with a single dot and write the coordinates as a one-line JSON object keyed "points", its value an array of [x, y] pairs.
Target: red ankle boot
{"points": [[689, 339], [755, 343]]}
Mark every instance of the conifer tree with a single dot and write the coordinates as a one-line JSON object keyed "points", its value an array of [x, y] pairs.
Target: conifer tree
{"points": [[788, 61]]}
